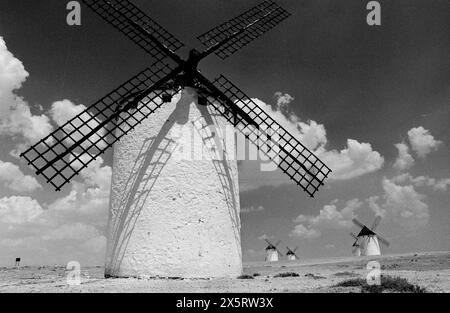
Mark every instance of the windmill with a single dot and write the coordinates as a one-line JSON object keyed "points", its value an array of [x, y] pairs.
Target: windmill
{"points": [[272, 252], [368, 239], [168, 215], [356, 248], [291, 256]]}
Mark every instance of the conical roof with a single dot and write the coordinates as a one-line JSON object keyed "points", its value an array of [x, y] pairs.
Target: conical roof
{"points": [[366, 232]]}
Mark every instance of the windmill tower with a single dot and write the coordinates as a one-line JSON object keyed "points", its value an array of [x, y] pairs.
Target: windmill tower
{"points": [[291, 256], [174, 204], [272, 253], [356, 248], [370, 241]]}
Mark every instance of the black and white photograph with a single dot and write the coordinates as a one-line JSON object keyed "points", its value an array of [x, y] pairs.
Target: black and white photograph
{"points": [[245, 147]]}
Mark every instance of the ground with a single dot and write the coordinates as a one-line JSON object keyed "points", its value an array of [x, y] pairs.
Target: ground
{"points": [[429, 270]]}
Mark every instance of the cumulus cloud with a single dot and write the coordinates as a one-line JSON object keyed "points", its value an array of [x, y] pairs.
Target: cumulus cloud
{"points": [[70, 227], [75, 231], [16, 118], [423, 181], [355, 160], [19, 210], [252, 209], [264, 237], [283, 100], [330, 217], [422, 142], [64, 110], [310, 133], [89, 198], [12, 177], [401, 204], [404, 160]]}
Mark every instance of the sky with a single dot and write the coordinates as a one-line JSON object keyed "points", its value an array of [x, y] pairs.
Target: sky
{"points": [[372, 102]]}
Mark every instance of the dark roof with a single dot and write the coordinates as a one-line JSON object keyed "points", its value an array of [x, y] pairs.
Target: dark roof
{"points": [[366, 232]]}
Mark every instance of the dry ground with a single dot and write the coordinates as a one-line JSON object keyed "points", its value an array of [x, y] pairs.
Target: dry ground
{"points": [[429, 270]]}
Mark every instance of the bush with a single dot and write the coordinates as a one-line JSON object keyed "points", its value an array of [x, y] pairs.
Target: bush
{"points": [[388, 284], [393, 284], [357, 282], [289, 274], [245, 276], [340, 274]]}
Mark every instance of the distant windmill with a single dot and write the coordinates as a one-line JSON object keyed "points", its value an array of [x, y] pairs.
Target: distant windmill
{"points": [[182, 207], [356, 248], [272, 252], [17, 264], [291, 256], [369, 240]]}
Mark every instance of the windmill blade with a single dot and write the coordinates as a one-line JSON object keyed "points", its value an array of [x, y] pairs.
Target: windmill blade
{"points": [[288, 250], [383, 241], [278, 242], [125, 16], [73, 146], [292, 157], [358, 223], [296, 248], [268, 242], [376, 222], [243, 29], [354, 236]]}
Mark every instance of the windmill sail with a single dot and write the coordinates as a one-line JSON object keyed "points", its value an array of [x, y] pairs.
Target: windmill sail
{"points": [[376, 222], [292, 157], [247, 27], [116, 13], [73, 146]]}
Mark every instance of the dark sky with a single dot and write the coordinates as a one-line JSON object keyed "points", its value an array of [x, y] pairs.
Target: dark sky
{"points": [[372, 84], [325, 55]]}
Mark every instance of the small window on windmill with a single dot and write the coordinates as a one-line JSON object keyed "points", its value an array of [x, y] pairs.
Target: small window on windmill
{"points": [[166, 97]]}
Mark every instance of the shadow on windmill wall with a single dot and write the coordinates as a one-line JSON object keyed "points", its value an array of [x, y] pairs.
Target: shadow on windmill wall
{"points": [[154, 154]]}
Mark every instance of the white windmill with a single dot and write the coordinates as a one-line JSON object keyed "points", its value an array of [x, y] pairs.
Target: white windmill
{"points": [[272, 252], [291, 256], [368, 239], [174, 202], [356, 247]]}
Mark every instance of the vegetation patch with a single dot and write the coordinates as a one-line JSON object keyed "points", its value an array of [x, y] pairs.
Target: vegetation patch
{"points": [[288, 274], [388, 284], [245, 276], [342, 274], [310, 275]]}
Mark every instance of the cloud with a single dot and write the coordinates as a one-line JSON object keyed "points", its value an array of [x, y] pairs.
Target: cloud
{"points": [[16, 118], [355, 160], [89, 198], [423, 181], [301, 231], [404, 160], [401, 204], [71, 227], [64, 110], [422, 142], [19, 210], [264, 237], [12, 177], [283, 100], [252, 209], [330, 217], [75, 231]]}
